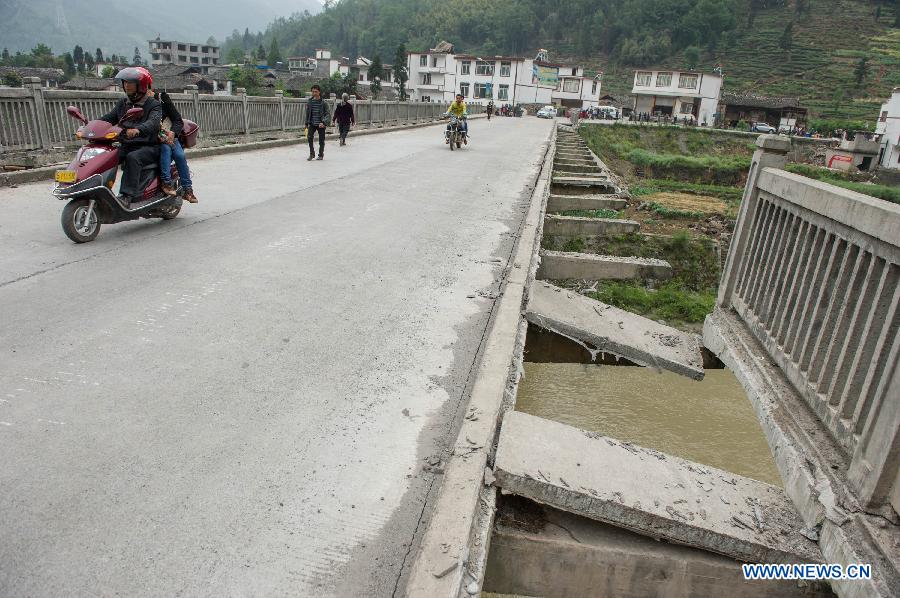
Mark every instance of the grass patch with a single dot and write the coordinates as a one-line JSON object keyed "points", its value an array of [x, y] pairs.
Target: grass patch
{"points": [[729, 194], [670, 302], [667, 212], [839, 179], [592, 213]]}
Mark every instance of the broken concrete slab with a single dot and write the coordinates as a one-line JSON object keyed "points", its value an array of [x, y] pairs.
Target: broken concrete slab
{"points": [[564, 203], [687, 503], [561, 265], [575, 226], [541, 551], [605, 328]]}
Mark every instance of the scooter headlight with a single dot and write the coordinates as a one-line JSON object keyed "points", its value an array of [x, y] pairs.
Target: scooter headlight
{"points": [[89, 153]]}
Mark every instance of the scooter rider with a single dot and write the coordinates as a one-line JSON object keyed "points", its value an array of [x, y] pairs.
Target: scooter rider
{"points": [[458, 109], [139, 144]]}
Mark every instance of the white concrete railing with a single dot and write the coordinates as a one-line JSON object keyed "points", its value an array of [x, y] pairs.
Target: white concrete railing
{"points": [[35, 118], [813, 273]]}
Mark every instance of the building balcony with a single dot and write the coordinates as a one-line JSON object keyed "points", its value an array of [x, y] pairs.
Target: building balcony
{"points": [[431, 69]]}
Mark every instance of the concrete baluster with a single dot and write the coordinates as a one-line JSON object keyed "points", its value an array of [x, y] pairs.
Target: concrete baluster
{"points": [[194, 92]]}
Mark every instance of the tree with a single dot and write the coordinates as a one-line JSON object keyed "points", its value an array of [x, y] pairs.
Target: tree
{"points": [[787, 37], [235, 56], [108, 72], [401, 73], [69, 67], [137, 60], [247, 40], [376, 74], [12, 80], [78, 57], [5, 56], [274, 56], [89, 62], [212, 41], [691, 57], [261, 53], [861, 71], [98, 56], [801, 6]]}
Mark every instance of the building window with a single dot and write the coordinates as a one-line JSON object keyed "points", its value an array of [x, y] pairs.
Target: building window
{"points": [[426, 98], [182, 47], [503, 93], [156, 57], [423, 60], [594, 88], [483, 67], [643, 79], [362, 77], [182, 58], [575, 72], [434, 61], [505, 69], [205, 60], [464, 89], [664, 79], [465, 68], [193, 48], [687, 108], [482, 90], [195, 60], [571, 85], [687, 81], [426, 78]]}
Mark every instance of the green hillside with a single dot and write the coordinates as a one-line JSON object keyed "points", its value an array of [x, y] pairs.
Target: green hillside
{"points": [[816, 58]]}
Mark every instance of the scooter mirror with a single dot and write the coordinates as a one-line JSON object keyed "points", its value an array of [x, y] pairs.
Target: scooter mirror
{"points": [[75, 113], [132, 114]]}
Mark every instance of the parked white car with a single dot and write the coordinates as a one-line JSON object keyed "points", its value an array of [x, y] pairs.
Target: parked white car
{"points": [[547, 112], [763, 128]]}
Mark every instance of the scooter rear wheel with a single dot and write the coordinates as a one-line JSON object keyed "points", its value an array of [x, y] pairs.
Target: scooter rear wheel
{"points": [[77, 224]]}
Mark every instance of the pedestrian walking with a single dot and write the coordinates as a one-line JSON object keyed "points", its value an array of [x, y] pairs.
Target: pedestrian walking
{"points": [[317, 118], [344, 117]]}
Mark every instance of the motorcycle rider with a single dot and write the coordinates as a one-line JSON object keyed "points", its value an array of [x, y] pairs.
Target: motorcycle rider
{"points": [[139, 146], [458, 109]]}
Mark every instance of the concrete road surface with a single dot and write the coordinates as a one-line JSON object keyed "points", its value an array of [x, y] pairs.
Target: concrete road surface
{"points": [[240, 402]]}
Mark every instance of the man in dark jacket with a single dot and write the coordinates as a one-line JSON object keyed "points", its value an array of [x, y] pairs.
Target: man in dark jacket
{"points": [[140, 144], [171, 148], [317, 118], [344, 117]]}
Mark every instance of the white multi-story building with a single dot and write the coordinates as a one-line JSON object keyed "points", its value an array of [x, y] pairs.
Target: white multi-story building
{"points": [[439, 74], [889, 128], [683, 94], [164, 52], [360, 69]]}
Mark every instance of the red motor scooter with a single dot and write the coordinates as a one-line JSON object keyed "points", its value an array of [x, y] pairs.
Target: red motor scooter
{"points": [[87, 183]]}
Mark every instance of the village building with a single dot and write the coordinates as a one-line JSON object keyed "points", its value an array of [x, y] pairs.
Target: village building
{"points": [[784, 113], [49, 77], [681, 94], [888, 128], [439, 74], [166, 52]]}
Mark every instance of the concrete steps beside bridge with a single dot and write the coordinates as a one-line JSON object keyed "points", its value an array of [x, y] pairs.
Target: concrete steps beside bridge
{"points": [[577, 226], [565, 203], [604, 328], [564, 265], [582, 185], [649, 492]]}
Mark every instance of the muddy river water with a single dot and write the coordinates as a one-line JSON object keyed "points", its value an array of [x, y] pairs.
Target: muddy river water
{"points": [[710, 422]]}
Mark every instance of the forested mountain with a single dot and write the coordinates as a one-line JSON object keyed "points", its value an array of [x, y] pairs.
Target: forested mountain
{"points": [[117, 27], [842, 57]]}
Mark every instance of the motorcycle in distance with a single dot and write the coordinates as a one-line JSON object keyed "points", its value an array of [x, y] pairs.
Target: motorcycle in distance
{"points": [[88, 181], [454, 133]]}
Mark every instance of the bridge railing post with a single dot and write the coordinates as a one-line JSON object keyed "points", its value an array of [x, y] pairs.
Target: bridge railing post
{"points": [[242, 93], [279, 93], [772, 152], [33, 84]]}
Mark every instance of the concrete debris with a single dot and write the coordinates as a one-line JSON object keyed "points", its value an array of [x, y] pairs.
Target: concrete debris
{"points": [[444, 566], [536, 458]]}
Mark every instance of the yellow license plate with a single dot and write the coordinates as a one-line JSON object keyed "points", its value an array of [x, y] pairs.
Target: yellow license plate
{"points": [[66, 176]]}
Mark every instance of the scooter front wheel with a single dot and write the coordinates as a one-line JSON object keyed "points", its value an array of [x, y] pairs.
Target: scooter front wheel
{"points": [[80, 225]]}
